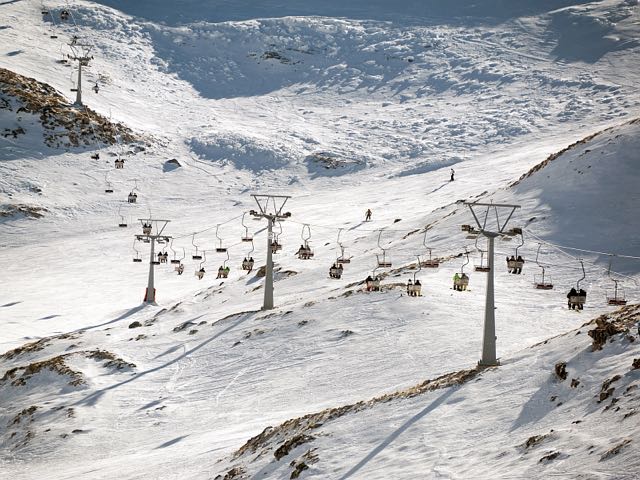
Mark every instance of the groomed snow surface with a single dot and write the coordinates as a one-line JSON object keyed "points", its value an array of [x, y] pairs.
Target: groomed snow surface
{"points": [[344, 108]]}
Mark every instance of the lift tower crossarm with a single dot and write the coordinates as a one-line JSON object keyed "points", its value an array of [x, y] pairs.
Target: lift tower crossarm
{"points": [[271, 209], [489, 336]]}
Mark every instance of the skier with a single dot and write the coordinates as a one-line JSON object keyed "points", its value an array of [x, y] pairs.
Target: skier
{"points": [[367, 217], [452, 174], [410, 288]]}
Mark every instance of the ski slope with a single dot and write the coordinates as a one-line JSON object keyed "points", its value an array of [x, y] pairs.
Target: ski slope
{"points": [[261, 100]]}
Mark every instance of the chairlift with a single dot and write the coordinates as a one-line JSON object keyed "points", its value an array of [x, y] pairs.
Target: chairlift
{"points": [[247, 262], [482, 267], [414, 289], [431, 262], [372, 282], [123, 221], [305, 252], [615, 296], [461, 280], [247, 237], [200, 271], [541, 281], [577, 297], [132, 197], [108, 188], [119, 163], [276, 246], [335, 271], [516, 262], [219, 248], [342, 259], [146, 228], [158, 259], [223, 270], [137, 258], [175, 260], [384, 262], [471, 231], [195, 256]]}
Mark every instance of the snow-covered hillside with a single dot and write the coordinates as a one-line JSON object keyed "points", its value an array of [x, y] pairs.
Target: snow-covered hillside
{"points": [[344, 107]]}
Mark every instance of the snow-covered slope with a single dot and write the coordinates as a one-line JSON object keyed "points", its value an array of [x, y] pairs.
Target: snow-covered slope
{"points": [[573, 414], [350, 108]]}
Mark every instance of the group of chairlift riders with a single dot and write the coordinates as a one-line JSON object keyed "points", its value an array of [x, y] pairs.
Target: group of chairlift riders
{"points": [[576, 298]]}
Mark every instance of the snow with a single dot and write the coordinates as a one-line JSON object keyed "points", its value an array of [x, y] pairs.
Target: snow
{"points": [[260, 99]]}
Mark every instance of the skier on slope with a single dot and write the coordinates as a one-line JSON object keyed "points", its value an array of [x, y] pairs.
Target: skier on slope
{"points": [[452, 174], [367, 216]]}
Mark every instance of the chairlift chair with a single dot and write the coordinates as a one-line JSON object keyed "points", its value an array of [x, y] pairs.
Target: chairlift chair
{"points": [[342, 259], [247, 262], [431, 262], [516, 262], [276, 246], [200, 271], [461, 281], [195, 256], [615, 296], [542, 281], [137, 258], [223, 271], [372, 283], [247, 237], [335, 271], [219, 248], [123, 222], [146, 228], [482, 267], [305, 252], [132, 198], [384, 262], [471, 231], [175, 260], [578, 297], [414, 289], [108, 188]]}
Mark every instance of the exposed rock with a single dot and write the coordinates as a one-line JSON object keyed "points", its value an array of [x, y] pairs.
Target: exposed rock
{"points": [[606, 390], [135, 324], [615, 450], [561, 370], [64, 125], [550, 457], [293, 442], [604, 329]]}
